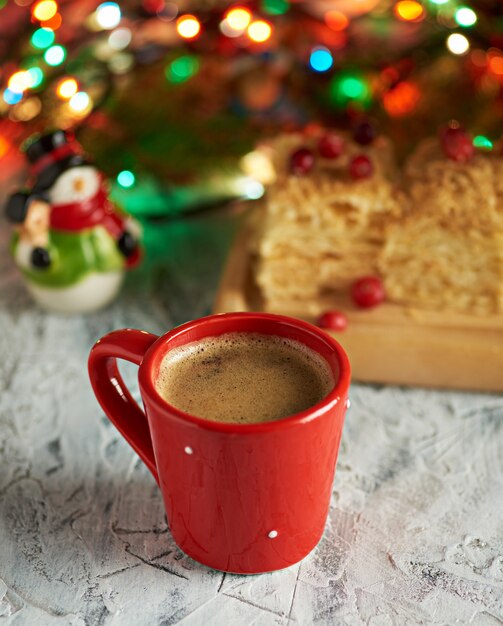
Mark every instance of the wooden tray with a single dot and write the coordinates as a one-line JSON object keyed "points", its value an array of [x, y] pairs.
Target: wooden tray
{"points": [[389, 344]]}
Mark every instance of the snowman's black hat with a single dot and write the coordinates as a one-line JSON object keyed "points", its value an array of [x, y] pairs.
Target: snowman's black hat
{"points": [[52, 154]]}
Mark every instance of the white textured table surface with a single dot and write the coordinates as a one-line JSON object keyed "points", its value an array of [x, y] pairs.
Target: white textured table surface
{"points": [[415, 534]]}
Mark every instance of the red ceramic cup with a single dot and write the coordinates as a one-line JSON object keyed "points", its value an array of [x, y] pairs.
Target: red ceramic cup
{"points": [[239, 498]]}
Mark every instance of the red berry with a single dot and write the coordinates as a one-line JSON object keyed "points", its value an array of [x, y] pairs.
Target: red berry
{"points": [[361, 167], [456, 144], [364, 133], [301, 161], [333, 320], [368, 292], [330, 146]]}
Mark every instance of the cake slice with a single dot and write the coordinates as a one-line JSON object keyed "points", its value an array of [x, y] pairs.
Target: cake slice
{"points": [[447, 252], [321, 229]]}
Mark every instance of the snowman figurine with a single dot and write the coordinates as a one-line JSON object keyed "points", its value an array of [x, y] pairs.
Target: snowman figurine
{"points": [[71, 243]]}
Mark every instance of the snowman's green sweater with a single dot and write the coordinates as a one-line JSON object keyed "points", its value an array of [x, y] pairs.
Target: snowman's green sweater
{"points": [[75, 255]]}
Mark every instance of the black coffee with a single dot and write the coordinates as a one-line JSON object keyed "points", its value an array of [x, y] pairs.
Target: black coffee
{"points": [[244, 378]]}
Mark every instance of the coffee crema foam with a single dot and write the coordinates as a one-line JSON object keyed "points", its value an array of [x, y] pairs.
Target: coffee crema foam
{"points": [[244, 378]]}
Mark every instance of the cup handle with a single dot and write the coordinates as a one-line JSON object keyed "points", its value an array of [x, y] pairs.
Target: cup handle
{"points": [[113, 395]]}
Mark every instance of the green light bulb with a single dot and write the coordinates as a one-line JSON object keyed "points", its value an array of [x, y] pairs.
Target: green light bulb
{"points": [[275, 7], [349, 87], [126, 179], [36, 77], [483, 143], [55, 55], [182, 68], [42, 38], [465, 17]]}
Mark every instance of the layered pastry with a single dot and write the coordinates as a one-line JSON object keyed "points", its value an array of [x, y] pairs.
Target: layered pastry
{"points": [[324, 220], [447, 251]]}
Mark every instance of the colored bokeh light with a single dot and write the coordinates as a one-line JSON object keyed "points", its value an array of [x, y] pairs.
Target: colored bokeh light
{"points": [[12, 97], [259, 31], [54, 23], [336, 20], [275, 7], [496, 65], [182, 68], [482, 143], [465, 17], [27, 109], [55, 55], [235, 22], [321, 59], [42, 38], [188, 26], [80, 102], [126, 179], [108, 15], [439, 1], [457, 44], [44, 10], [36, 77], [253, 189], [19, 81], [402, 99], [120, 38], [67, 88], [349, 87], [239, 18], [409, 10], [4, 146]]}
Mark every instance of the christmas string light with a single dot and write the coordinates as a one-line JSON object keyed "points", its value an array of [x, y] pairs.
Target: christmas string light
{"points": [[19, 81], [409, 10], [55, 55], [80, 102], [496, 65], [42, 38], [67, 88], [4, 146], [465, 17], [259, 31], [482, 143], [44, 10], [108, 15], [36, 77], [336, 20], [321, 59], [238, 18], [54, 23], [182, 68], [126, 179], [188, 26], [275, 7], [457, 44], [120, 38], [235, 21], [12, 97]]}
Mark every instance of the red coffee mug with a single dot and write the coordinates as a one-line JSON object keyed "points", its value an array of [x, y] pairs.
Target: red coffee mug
{"points": [[241, 498]]}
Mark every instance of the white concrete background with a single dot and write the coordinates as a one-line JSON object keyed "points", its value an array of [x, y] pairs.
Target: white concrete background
{"points": [[415, 533]]}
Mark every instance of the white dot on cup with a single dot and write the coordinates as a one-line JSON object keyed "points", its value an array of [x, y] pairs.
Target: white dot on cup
{"points": [[348, 403], [188, 450], [273, 534]]}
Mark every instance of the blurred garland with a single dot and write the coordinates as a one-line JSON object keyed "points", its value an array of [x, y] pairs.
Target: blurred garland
{"points": [[152, 98]]}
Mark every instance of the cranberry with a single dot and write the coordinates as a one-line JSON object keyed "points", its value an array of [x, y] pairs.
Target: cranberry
{"points": [[301, 161], [456, 144], [361, 167], [333, 320], [368, 292], [364, 133], [330, 146]]}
